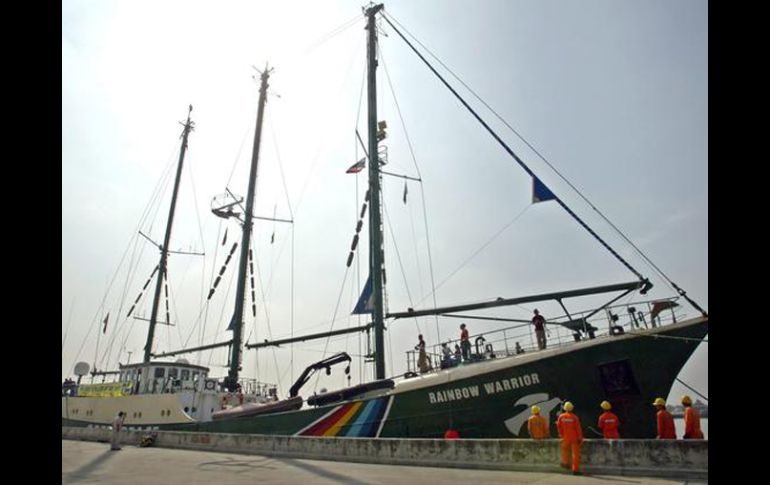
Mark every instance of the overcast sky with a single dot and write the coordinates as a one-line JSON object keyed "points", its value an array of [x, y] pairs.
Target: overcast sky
{"points": [[613, 93]]}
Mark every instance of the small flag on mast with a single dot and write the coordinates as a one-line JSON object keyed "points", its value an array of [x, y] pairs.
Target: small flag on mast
{"points": [[357, 167], [404, 191], [104, 330]]}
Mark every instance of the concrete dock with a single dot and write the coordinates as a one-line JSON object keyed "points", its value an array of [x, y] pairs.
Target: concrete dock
{"points": [[93, 462]]}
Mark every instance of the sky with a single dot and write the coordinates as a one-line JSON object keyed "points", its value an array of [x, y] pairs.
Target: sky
{"points": [[614, 94]]}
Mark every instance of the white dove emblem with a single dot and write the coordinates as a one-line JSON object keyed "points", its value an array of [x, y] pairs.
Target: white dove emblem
{"points": [[515, 423]]}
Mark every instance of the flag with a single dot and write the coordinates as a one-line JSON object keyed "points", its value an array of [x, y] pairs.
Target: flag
{"points": [[366, 301], [404, 191], [224, 239], [357, 167], [540, 193], [104, 330], [232, 323]]}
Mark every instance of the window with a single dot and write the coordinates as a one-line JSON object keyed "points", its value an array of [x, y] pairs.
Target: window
{"points": [[618, 379], [160, 372], [195, 375], [185, 374], [173, 373]]}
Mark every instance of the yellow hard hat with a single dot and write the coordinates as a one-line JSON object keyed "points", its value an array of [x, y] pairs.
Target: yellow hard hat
{"points": [[686, 400], [535, 410], [659, 401], [568, 406], [606, 405]]}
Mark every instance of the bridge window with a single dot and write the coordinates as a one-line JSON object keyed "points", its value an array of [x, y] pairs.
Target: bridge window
{"points": [[173, 373], [160, 372], [185, 374]]}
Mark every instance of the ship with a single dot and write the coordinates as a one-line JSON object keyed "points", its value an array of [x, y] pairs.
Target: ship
{"points": [[626, 353]]}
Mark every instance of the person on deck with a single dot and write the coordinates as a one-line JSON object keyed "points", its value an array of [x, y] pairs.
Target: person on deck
{"points": [[692, 429], [422, 359], [609, 422], [571, 434], [666, 430], [465, 342], [537, 425], [539, 322], [446, 356]]}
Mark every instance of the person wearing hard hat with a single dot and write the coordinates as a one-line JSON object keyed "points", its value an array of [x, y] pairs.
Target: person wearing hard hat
{"points": [[571, 435], [692, 429], [609, 422], [537, 425], [666, 430]]}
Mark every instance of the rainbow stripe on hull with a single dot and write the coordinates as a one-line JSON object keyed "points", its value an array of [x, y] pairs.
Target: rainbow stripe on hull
{"points": [[360, 419]]}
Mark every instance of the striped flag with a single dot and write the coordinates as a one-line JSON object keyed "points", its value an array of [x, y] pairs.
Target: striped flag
{"points": [[357, 167]]}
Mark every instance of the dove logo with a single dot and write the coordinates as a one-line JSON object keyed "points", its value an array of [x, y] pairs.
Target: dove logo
{"points": [[515, 423]]}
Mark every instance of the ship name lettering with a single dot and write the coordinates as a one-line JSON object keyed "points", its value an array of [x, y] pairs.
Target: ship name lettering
{"points": [[512, 383], [455, 394]]}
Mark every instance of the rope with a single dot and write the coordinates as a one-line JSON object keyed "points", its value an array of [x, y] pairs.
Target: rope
{"points": [[552, 167], [686, 339], [422, 196], [334, 317], [400, 263], [483, 246], [690, 388], [515, 157]]}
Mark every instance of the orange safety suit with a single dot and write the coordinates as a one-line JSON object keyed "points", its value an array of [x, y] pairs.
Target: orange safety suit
{"points": [[608, 423], [571, 435], [666, 430], [537, 426], [692, 424]]}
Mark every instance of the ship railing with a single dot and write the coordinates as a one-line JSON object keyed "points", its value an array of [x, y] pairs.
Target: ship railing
{"points": [[520, 339], [254, 389]]}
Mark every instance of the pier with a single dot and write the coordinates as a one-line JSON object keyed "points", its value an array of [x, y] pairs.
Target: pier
{"points": [[674, 459]]}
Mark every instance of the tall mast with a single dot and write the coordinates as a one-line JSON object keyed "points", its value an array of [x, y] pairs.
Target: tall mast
{"points": [[375, 219], [188, 126], [231, 381]]}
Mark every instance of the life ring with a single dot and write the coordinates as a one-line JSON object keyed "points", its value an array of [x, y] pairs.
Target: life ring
{"points": [[211, 384]]}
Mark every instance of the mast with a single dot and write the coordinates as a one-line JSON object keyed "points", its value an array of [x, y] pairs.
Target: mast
{"points": [[188, 126], [375, 219], [236, 325]]}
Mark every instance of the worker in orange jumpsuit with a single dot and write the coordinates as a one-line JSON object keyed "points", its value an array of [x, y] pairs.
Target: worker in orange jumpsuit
{"points": [[666, 430], [692, 429], [537, 425], [609, 422], [571, 434]]}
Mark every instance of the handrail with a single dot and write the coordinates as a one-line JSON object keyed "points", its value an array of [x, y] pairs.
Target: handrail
{"points": [[517, 339]]}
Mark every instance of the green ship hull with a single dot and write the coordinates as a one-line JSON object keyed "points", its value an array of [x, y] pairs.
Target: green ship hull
{"points": [[491, 399]]}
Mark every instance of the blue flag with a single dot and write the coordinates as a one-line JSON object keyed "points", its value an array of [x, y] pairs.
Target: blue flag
{"points": [[232, 323], [540, 193], [366, 300]]}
